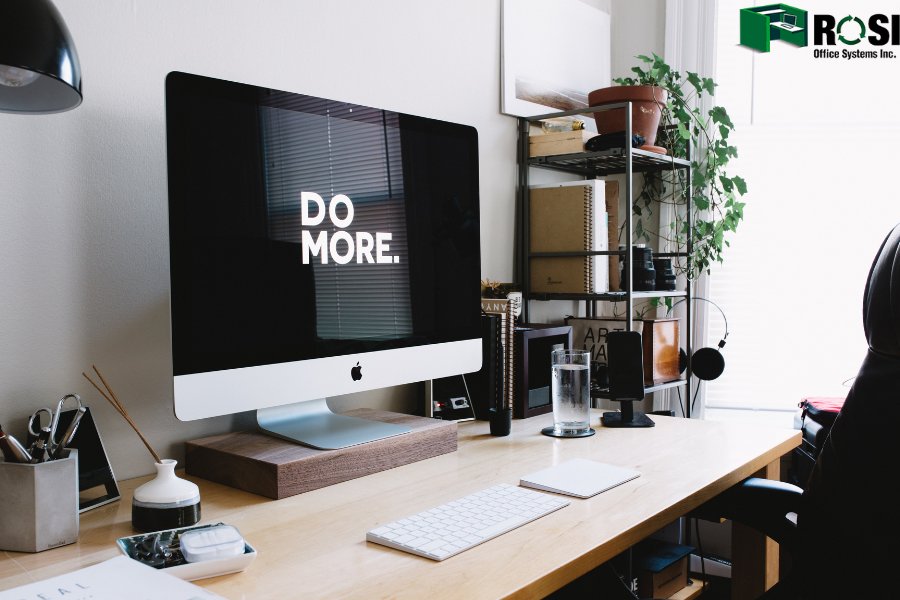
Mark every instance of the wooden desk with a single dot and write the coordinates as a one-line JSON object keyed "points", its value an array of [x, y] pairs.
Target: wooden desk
{"points": [[313, 545]]}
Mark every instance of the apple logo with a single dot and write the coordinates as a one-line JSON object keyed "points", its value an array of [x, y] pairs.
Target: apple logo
{"points": [[356, 372]]}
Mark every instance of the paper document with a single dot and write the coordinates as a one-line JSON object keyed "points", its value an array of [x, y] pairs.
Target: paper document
{"points": [[579, 477], [113, 579]]}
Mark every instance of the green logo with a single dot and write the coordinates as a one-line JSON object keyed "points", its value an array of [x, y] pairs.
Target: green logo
{"points": [[762, 24], [840, 30]]}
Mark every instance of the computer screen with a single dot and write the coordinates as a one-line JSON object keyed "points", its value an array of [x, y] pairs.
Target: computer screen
{"points": [[789, 19], [317, 248]]}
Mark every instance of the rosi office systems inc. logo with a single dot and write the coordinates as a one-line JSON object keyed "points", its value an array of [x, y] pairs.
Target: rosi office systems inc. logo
{"points": [[762, 24]]}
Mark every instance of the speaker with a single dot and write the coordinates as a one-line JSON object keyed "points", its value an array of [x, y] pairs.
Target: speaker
{"points": [[531, 371], [486, 386]]}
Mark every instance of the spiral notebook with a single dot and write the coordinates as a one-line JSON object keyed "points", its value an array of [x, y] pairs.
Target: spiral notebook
{"points": [[569, 217], [579, 477]]}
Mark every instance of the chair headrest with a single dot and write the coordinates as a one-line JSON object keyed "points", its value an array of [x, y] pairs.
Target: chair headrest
{"points": [[881, 302]]}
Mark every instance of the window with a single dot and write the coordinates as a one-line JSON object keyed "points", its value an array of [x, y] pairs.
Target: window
{"points": [[330, 150], [817, 141]]}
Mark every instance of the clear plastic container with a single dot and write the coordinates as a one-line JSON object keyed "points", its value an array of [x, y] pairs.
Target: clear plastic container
{"points": [[211, 543]]}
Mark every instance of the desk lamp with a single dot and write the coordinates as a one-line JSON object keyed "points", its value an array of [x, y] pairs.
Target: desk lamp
{"points": [[39, 68]]}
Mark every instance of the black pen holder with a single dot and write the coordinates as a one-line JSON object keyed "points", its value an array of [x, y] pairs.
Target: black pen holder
{"points": [[501, 422], [39, 504]]}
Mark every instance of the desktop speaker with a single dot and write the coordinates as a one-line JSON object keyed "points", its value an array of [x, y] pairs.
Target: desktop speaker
{"points": [[531, 370], [486, 385]]}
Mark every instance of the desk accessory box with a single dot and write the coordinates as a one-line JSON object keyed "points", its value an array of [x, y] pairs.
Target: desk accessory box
{"points": [[559, 142], [96, 482], [662, 568], [660, 342], [39, 504], [174, 562]]}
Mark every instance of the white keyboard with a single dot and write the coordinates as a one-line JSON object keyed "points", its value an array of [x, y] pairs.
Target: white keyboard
{"points": [[451, 528]]}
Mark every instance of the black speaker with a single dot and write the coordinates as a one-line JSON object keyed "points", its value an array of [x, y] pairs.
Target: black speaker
{"points": [[531, 371], [486, 386], [626, 378]]}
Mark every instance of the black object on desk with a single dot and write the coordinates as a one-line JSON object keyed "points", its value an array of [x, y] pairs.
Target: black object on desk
{"points": [[626, 379], [486, 386], [531, 384], [450, 399], [94, 470]]}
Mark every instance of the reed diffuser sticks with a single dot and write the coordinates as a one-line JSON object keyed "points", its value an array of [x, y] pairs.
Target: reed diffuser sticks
{"points": [[114, 400]]}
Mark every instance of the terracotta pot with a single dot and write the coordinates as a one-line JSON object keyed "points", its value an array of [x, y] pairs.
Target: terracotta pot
{"points": [[645, 109]]}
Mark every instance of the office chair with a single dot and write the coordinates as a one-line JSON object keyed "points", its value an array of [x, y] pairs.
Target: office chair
{"points": [[846, 541]]}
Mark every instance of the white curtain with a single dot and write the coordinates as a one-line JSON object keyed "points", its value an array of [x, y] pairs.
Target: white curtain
{"points": [[690, 45]]}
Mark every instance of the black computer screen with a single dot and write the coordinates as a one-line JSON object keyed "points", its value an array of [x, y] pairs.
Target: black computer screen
{"points": [[302, 227]]}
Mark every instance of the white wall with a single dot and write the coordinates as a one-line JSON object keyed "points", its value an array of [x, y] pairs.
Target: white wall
{"points": [[636, 28], [83, 241], [83, 233]]}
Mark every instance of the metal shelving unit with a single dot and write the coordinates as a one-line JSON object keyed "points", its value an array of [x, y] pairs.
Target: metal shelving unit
{"points": [[627, 161]]}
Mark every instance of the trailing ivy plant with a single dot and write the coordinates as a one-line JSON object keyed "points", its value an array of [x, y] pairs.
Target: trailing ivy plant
{"points": [[714, 191]]}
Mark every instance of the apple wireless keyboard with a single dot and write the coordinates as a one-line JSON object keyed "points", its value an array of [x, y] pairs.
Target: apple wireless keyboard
{"points": [[454, 527]]}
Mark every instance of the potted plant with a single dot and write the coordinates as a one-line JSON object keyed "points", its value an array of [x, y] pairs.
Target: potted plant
{"points": [[713, 190], [647, 102]]}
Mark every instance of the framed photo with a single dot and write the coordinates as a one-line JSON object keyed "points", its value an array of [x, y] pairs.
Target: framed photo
{"points": [[554, 52]]}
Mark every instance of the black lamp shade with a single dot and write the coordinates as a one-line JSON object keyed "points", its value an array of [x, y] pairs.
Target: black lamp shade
{"points": [[39, 68]]}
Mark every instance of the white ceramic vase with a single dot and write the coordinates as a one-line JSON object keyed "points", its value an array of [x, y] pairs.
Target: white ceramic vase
{"points": [[166, 501]]}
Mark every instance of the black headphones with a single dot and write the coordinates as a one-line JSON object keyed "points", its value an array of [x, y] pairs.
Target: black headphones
{"points": [[706, 363]]}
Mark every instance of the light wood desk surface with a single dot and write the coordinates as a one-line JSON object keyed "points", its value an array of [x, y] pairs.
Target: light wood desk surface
{"points": [[313, 545]]}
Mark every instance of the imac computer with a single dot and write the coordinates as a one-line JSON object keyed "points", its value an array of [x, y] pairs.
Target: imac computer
{"points": [[317, 248]]}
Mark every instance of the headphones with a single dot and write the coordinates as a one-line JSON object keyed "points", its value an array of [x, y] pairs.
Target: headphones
{"points": [[706, 363]]}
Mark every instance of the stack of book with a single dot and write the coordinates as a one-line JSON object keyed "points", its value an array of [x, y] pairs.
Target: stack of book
{"points": [[575, 216]]}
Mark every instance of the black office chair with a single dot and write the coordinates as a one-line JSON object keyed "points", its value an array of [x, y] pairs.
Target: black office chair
{"points": [[846, 541]]}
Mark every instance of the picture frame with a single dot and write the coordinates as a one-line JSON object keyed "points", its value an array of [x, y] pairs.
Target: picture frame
{"points": [[553, 53], [534, 344]]}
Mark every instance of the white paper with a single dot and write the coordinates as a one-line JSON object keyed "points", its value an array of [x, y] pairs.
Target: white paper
{"points": [[579, 477], [113, 579]]}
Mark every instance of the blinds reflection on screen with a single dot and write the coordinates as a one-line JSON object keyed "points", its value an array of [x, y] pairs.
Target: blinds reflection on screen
{"points": [[333, 148]]}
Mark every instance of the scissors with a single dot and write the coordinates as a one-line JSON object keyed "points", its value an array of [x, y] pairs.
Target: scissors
{"points": [[45, 442]]}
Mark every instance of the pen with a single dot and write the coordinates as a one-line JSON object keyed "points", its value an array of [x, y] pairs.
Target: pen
{"points": [[69, 433], [13, 450]]}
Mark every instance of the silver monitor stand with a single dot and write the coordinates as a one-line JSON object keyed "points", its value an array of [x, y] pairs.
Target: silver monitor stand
{"points": [[312, 423]]}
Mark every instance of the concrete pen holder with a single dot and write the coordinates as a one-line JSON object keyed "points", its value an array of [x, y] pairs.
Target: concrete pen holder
{"points": [[39, 504]]}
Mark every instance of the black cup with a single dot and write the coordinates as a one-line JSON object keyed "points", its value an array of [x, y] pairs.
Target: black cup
{"points": [[501, 422], [665, 274]]}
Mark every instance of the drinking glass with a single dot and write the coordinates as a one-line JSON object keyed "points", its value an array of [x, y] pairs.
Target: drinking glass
{"points": [[570, 393]]}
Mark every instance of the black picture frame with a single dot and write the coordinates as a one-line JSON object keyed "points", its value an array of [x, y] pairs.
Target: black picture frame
{"points": [[531, 377]]}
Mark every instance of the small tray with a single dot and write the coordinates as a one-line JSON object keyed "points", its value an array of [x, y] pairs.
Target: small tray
{"points": [[176, 564]]}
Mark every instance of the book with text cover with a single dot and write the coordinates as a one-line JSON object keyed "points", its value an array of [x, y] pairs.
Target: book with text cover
{"points": [[612, 214], [113, 579], [569, 217]]}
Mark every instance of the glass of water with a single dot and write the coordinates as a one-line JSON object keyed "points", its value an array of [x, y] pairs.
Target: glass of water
{"points": [[570, 393]]}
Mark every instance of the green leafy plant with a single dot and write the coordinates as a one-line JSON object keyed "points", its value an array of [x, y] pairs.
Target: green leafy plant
{"points": [[714, 191]]}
